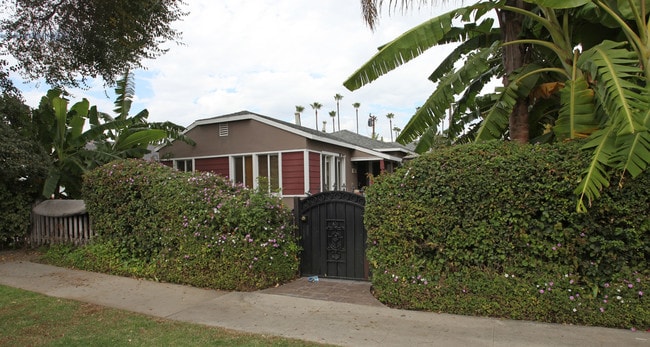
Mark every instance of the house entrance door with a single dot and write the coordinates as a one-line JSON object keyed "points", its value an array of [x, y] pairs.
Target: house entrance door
{"points": [[332, 235]]}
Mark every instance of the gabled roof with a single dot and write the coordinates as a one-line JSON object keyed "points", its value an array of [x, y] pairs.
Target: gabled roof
{"points": [[341, 138]]}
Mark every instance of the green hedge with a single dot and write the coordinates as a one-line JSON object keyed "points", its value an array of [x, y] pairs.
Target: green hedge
{"points": [[491, 229], [23, 168], [196, 229]]}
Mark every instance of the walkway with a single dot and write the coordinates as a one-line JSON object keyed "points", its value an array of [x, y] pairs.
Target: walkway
{"points": [[297, 311]]}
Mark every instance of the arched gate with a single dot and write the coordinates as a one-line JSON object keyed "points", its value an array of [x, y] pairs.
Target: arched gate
{"points": [[332, 235]]}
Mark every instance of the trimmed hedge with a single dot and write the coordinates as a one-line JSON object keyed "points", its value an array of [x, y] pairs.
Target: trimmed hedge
{"points": [[191, 228], [491, 229]]}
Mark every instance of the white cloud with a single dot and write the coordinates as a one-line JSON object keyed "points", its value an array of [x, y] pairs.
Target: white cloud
{"points": [[269, 56]]}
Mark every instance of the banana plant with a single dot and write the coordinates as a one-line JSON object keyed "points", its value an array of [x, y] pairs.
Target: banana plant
{"points": [[81, 138], [584, 80]]}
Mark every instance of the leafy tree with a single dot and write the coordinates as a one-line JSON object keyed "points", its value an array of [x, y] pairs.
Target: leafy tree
{"points": [[23, 167], [599, 92], [68, 41]]}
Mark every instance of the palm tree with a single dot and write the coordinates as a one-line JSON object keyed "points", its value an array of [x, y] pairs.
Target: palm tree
{"points": [[333, 115], [316, 106], [299, 110], [396, 130], [390, 117], [338, 98], [356, 106]]}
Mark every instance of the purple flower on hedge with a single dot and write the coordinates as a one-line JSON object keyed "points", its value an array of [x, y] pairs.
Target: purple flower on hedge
{"points": [[630, 286], [640, 293]]}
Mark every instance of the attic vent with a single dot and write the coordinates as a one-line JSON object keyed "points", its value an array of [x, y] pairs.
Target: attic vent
{"points": [[223, 129]]}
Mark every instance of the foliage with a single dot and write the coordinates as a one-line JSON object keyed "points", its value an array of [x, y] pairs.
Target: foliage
{"points": [[23, 166], [68, 41], [75, 149], [192, 228], [487, 229], [597, 91]]}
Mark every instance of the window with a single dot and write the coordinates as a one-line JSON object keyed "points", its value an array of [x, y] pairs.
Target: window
{"points": [[184, 165], [244, 170], [268, 166], [248, 169], [333, 173]]}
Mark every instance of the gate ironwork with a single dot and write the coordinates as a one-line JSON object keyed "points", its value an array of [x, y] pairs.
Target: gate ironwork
{"points": [[332, 235]]}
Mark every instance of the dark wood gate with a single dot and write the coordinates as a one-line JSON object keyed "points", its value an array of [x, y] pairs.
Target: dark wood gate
{"points": [[332, 235]]}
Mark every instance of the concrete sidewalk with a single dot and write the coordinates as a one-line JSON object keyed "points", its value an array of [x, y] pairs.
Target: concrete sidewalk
{"points": [[265, 312]]}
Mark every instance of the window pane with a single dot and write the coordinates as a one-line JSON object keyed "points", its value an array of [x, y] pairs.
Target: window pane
{"points": [[263, 165], [180, 165], [239, 170], [275, 172], [188, 166], [248, 169]]}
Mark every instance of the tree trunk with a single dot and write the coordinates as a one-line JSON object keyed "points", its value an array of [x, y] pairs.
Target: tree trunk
{"points": [[514, 57]]}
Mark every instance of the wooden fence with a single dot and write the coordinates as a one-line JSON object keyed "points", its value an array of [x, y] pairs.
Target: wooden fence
{"points": [[60, 222]]}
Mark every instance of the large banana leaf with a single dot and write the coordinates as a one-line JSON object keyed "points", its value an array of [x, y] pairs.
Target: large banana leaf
{"points": [[633, 154], [595, 176], [577, 117], [411, 44], [125, 90], [482, 39], [496, 121], [559, 4], [79, 113], [141, 138], [619, 87], [435, 108]]}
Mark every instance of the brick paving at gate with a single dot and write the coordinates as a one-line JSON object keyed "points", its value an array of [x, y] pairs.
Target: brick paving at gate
{"points": [[347, 291]]}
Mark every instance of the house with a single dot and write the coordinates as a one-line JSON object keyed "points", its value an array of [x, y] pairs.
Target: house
{"points": [[296, 160]]}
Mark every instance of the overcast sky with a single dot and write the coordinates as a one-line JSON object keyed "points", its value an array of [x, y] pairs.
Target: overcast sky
{"points": [[267, 56]]}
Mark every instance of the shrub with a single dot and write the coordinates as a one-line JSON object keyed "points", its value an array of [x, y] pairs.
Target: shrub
{"points": [[23, 167], [192, 228], [491, 229]]}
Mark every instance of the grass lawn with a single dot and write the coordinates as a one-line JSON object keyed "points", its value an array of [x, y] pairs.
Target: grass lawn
{"points": [[31, 319]]}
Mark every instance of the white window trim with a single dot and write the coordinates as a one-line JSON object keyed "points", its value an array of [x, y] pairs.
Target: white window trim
{"points": [[332, 174], [254, 155]]}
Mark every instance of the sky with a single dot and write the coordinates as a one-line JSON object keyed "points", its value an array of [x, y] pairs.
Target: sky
{"points": [[267, 57]]}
